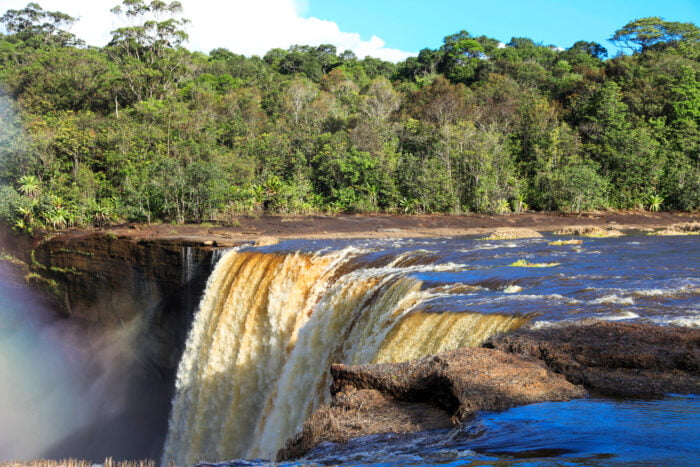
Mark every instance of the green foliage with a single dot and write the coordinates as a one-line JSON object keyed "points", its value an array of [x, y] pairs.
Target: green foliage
{"points": [[461, 56], [574, 187], [10, 203], [655, 201], [38, 27], [649, 33], [145, 130]]}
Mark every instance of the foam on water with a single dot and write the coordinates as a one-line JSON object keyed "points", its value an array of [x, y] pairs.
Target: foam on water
{"points": [[270, 322], [613, 299]]}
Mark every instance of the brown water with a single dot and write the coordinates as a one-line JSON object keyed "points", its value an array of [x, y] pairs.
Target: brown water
{"points": [[274, 318]]}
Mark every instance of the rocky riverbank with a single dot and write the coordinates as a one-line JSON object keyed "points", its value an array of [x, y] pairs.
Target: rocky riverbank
{"points": [[558, 363], [248, 229]]}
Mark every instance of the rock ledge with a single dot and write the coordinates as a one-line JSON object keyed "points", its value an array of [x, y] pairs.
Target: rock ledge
{"points": [[551, 364], [434, 392]]}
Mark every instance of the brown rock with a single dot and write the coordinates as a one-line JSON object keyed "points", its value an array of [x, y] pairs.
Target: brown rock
{"points": [[615, 359], [361, 412], [512, 233], [589, 231], [434, 392]]}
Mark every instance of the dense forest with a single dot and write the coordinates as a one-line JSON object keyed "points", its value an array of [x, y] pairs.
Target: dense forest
{"points": [[145, 130]]}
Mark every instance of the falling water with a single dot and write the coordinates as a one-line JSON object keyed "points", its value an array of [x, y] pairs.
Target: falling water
{"points": [[269, 326], [188, 264]]}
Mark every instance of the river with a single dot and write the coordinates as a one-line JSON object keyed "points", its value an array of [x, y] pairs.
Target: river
{"points": [[273, 318]]}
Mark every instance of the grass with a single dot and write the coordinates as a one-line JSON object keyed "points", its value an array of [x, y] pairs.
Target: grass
{"points": [[508, 233], [51, 284], [36, 264], [65, 270], [7, 257], [687, 228], [589, 231], [671, 233]]}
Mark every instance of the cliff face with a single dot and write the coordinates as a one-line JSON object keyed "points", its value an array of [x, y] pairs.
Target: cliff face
{"points": [[110, 281], [129, 303]]}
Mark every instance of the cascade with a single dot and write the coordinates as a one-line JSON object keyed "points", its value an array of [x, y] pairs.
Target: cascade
{"points": [[271, 323], [187, 264]]}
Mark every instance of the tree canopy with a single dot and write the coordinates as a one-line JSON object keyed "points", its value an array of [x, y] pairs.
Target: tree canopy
{"points": [[146, 130]]}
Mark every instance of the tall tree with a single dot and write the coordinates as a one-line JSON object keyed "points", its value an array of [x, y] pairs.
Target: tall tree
{"points": [[461, 56], [146, 48], [653, 32], [38, 27]]}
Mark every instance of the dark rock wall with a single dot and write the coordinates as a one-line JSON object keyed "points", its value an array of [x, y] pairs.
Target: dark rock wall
{"points": [[109, 282], [104, 285]]}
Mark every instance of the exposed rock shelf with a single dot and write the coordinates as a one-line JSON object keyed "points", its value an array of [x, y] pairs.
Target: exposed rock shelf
{"points": [[615, 359], [433, 392]]}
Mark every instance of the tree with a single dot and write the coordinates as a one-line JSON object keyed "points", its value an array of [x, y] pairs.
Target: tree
{"points": [[441, 103], [653, 32], [146, 49], [381, 100], [574, 187], [626, 149], [685, 95], [593, 49], [298, 97], [423, 67], [484, 169], [38, 27], [461, 56], [147, 38]]}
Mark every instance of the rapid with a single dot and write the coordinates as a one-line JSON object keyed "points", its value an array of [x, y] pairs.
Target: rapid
{"points": [[273, 319]]}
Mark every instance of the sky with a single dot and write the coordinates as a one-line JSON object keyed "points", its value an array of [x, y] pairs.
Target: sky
{"points": [[387, 29]]}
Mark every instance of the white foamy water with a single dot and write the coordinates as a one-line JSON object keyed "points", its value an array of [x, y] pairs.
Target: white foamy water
{"points": [[269, 327], [613, 299], [273, 320]]}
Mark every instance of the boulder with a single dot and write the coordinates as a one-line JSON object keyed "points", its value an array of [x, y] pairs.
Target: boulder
{"points": [[615, 359], [434, 392]]}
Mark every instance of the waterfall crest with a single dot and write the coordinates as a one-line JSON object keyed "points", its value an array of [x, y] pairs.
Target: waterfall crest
{"points": [[268, 328]]}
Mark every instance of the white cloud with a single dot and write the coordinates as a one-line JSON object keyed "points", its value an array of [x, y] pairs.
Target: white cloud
{"points": [[250, 27]]}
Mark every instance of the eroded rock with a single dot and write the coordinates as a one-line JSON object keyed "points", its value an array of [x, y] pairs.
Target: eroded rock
{"points": [[434, 392], [511, 233], [615, 359]]}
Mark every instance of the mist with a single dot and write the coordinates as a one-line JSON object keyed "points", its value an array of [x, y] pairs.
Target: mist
{"points": [[68, 389]]}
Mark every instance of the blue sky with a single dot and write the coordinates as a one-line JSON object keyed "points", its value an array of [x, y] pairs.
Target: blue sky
{"points": [[415, 24], [388, 29]]}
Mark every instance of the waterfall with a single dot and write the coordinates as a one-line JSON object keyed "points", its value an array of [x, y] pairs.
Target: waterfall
{"points": [[187, 264], [269, 326]]}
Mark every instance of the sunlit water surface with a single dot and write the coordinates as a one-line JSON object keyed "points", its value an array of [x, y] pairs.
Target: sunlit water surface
{"points": [[580, 432], [634, 278]]}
